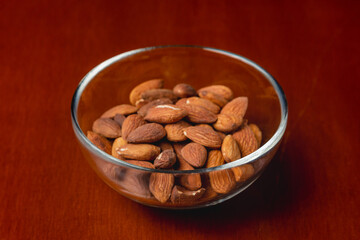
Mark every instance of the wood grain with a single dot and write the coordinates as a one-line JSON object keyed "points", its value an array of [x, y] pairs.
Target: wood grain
{"points": [[309, 191]]}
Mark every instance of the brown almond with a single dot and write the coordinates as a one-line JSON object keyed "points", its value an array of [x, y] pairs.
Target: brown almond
{"points": [[209, 194], [144, 164], [183, 90], [230, 149], [197, 114], [221, 90], [165, 145], [106, 127], [236, 107], [166, 159], [213, 97], [246, 140], [195, 154], [139, 151], [124, 109], [131, 123], [154, 94], [181, 102], [161, 185], [227, 123], [99, 141], [203, 136], [181, 195], [205, 126], [257, 132], [147, 133], [205, 103], [119, 142], [165, 114], [141, 102], [135, 94], [243, 173], [119, 118], [221, 181], [175, 131], [221, 134], [144, 109]]}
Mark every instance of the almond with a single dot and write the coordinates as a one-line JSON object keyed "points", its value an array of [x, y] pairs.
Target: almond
{"points": [[181, 102], [147, 133], [230, 149], [106, 127], [227, 123], [221, 181], [243, 173], [205, 126], [181, 195], [161, 185], [221, 134], [131, 123], [257, 132], [144, 109], [236, 107], [166, 159], [195, 154], [165, 114], [135, 94], [164, 145], [153, 94], [175, 131], [221, 90], [246, 140], [99, 141], [213, 97], [119, 118], [119, 142], [139, 151], [144, 164], [184, 90], [197, 114], [124, 109], [141, 102], [205, 103], [203, 136]]}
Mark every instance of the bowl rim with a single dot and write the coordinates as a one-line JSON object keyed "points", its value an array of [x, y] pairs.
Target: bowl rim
{"points": [[261, 152]]}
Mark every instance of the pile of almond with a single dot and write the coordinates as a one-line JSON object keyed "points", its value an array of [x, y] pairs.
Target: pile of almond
{"points": [[180, 129]]}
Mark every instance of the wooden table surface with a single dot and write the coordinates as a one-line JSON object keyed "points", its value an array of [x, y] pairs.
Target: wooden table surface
{"points": [[309, 191]]}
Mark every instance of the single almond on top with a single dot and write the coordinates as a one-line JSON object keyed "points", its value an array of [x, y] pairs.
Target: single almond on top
{"points": [[135, 94], [257, 132], [165, 114], [161, 185], [184, 90], [227, 123], [131, 123], [221, 90], [205, 103], [139, 151], [175, 131], [181, 195], [124, 109], [106, 127], [147, 133], [197, 114], [230, 149], [237, 107], [99, 141], [166, 159], [144, 109], [203, 136], [144, 164], [119, 142], [246, 140], [243, 173], [221, 181], [154, 94], [213, 97], [195, 154]]}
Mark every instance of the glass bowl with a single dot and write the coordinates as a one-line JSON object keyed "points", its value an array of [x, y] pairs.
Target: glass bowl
{"points": [[110, 83]]}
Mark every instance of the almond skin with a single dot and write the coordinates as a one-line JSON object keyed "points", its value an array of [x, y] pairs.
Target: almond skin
{"points": [[124, 109], [99, 141], [181, 195], [227, 123], [147, 133], [164, 145], [139, 151], [119, 118], [213, 97], [119, 142], [131, 123], [144, 109], [161, 185], [257, 132], [135, 94], [107, 127], [243, 173], [144, 164], [205, 103], [166, 159], [184, 90], [154, 94], [230, 149], [197, 114], [181, 102], [175, 131], [246, 140], [165, 114], [203, 136], [195, 154], [236, 107], [221, 90]]}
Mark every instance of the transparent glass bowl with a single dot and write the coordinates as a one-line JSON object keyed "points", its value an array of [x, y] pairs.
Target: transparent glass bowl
{"points": [[110, 83]]}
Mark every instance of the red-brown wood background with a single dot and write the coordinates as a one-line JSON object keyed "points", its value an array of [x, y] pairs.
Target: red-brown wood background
{"points": [[311, 188]]}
